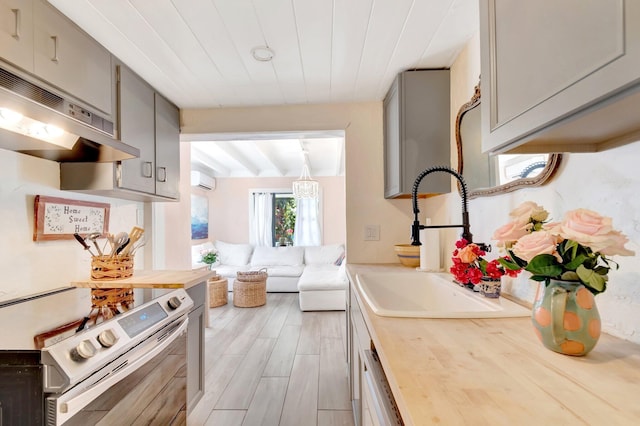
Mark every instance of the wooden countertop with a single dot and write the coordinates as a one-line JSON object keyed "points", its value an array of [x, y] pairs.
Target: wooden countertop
{"points": [[153, 279], [495, 372]]}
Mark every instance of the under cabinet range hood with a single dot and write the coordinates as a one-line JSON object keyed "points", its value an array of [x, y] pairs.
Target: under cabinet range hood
{"points": [[36, 121]]}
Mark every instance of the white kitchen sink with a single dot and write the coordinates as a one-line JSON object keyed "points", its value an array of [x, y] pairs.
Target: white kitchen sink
{"points": [[430, 295]]}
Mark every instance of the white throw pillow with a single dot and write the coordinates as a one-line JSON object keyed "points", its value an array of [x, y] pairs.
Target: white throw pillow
{"points": [[233, 254], [277, 256], [322, 254]]}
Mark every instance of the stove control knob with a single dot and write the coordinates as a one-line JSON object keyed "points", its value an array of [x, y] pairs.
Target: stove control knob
{"points": [[83, 351], [107, 338], [174, 303]]}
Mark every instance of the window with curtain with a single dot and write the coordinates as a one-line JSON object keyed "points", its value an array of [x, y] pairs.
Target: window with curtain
{"points": [[307, 228], [284, 219], [278, 218], [261, 219]]}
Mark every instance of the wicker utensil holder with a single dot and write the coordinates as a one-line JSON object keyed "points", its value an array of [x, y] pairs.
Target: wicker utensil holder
{"points": [[250, 289], [108, 268], [218, 291], [110, 301]]}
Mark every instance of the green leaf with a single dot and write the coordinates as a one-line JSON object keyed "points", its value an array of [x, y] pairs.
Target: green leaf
{"points": [[570, 276], [509, 264], [482, 263], [545, 265], [565, 247], [521, 263], [594, 281], [577, 261]]}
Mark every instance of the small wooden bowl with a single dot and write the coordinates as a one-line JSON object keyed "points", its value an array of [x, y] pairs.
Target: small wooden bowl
{"points": [[409, 255]]}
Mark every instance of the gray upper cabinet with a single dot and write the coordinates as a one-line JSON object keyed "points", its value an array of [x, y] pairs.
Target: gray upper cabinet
{"points": [[136, 117], [68, 58], [38, 39], [16, 32], [152, 124], [148, 122], [559, 75], [416, 132], [167, 133]]}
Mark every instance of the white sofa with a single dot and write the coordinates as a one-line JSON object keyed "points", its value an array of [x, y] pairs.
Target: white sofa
{"points": [[317, 273]]}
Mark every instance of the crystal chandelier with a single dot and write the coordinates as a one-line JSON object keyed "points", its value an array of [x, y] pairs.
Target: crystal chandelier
{"points": [[305, 187]]}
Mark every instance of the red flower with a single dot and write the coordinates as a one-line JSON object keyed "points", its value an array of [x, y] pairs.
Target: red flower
{"points": [[461, 243], [469, 266]]}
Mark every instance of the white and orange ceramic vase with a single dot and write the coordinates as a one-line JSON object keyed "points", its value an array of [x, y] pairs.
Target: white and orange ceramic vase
{"points": [[565, 317]]}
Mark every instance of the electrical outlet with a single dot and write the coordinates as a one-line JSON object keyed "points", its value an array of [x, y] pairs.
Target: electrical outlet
{"points": [[372, 232]]}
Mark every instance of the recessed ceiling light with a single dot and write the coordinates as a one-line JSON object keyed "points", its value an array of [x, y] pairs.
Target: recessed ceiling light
{"points": [[262, 53]]}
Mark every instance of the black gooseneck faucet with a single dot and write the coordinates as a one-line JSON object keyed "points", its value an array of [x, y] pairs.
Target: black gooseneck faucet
{"points": [[416, 227]]}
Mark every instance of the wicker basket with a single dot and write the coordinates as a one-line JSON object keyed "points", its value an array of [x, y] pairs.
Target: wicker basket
{"points": [[250, 289], [108, 268], [110, 301], [218, 291], [260, 275]]}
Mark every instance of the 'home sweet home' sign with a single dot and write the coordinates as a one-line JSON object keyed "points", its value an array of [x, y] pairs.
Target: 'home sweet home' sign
{"points": [[59, 218]]}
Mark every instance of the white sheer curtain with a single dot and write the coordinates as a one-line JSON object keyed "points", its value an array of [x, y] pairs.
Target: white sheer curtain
{"points": [[307, 229], [261, 219]]}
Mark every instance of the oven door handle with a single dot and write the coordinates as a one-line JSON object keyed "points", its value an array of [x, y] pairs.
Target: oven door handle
{"points": [[77, 403]]}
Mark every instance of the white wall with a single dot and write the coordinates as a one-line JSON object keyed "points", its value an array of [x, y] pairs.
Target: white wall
{"points": [[30, 267], [229, 207], [362, 123], [606, 182]]}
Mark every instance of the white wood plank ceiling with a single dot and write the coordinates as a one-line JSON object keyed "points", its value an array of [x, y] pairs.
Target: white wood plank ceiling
{"points": [[197, 53]]}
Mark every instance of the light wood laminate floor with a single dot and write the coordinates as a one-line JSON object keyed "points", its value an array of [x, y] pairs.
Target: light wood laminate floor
{"points": [[274, 365]]}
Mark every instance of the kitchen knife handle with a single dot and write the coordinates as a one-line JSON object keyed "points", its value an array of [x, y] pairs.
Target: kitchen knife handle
{"points": [[83, 242]]}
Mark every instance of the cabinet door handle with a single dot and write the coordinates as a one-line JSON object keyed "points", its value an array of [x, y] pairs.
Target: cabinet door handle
{"points": [[55, 49], [147, 169], [16, 16], [161, 174]]}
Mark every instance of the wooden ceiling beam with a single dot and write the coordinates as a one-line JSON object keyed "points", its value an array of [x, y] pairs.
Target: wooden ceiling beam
{"points": [[199, 156], [234, 153], [261, 147]]}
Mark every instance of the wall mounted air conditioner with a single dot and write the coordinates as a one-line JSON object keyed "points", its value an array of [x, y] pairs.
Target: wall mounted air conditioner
{"points": [[203, 181]]}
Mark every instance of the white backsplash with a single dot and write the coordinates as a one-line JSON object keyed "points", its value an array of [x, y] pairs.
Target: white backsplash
{"points": [[30, 267], [606, 182]]}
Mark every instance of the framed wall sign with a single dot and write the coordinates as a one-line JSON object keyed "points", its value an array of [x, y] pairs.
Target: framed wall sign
{"points": [[59, 218]]}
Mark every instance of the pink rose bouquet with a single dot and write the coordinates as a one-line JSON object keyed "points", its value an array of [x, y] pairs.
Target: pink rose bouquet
{"points": [[469, 267], [575, 249]]}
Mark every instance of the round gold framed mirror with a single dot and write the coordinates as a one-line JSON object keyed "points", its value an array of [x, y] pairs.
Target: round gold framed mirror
{"points": [[486, 174]]}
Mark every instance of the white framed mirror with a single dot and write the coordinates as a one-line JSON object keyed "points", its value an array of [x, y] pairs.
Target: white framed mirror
{"points": [[487, 175]]}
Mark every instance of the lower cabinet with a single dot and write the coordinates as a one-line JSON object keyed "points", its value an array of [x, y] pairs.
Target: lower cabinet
{"points": [[371, 398], [195, 345]]}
